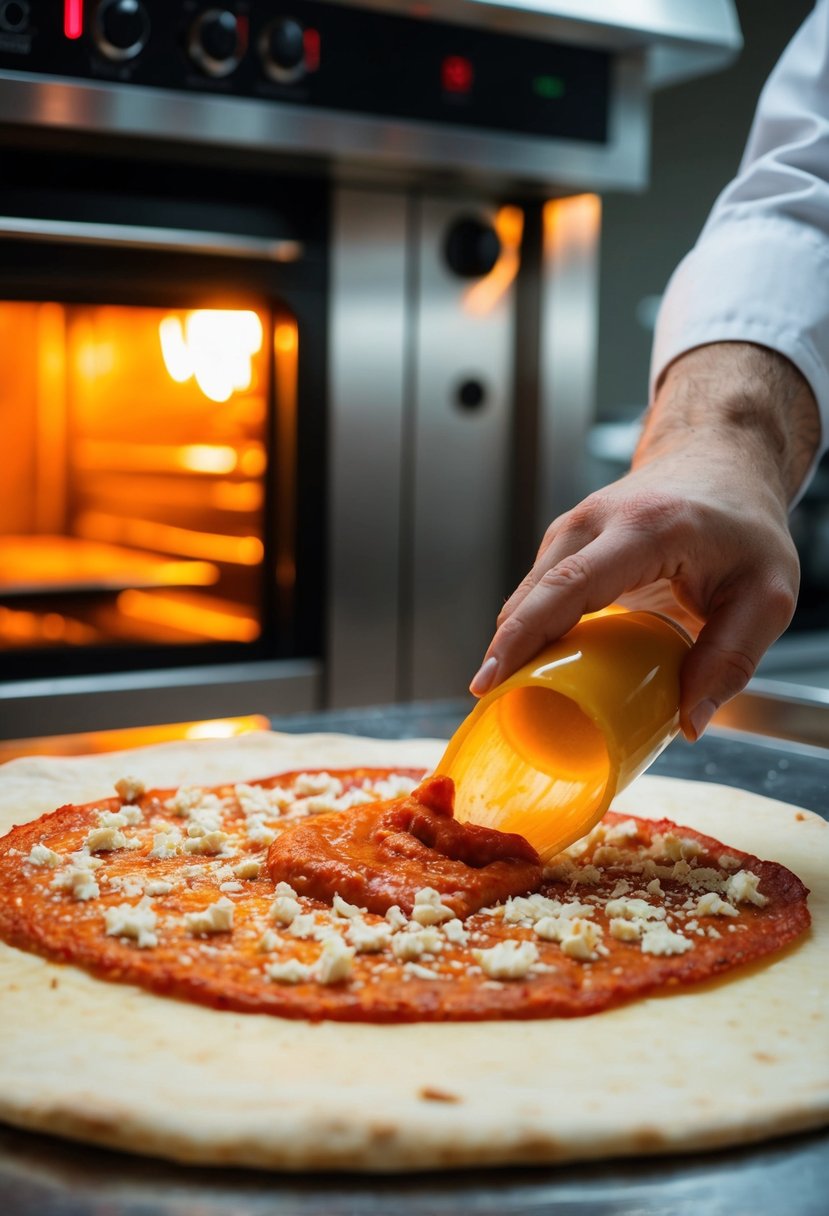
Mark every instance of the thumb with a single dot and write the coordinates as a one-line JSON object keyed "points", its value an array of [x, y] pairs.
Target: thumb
{"points": [[726, 653]]}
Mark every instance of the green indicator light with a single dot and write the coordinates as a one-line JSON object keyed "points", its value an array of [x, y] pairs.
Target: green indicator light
{"points": [[548, 87]]}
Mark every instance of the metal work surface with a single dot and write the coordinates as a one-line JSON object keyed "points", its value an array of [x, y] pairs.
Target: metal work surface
{"points": [[41, 1176]]}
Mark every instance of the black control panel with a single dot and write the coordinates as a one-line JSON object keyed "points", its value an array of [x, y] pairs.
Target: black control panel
{"points": [[317, 55]]}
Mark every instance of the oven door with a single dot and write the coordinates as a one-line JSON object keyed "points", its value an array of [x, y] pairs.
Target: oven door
{"points": [[163, 419]]}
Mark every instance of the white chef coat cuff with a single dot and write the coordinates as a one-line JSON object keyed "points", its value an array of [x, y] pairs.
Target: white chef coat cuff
{"points": [[758, 279]]}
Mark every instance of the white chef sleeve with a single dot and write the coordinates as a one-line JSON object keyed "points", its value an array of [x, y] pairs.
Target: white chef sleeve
{"points": [[760, 270]]}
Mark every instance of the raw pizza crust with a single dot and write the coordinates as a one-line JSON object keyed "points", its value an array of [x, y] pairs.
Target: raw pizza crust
{"points": [[735, 1061]]}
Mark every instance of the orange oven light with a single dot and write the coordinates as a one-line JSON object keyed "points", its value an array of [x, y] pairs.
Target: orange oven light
{"points": [[215, 347]]}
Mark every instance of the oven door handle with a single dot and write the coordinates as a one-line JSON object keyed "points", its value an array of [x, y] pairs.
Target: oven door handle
{"points": [[139, 236]]}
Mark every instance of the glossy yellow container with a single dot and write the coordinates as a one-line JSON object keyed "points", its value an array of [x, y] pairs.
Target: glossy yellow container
{"points": [[545, 753]]}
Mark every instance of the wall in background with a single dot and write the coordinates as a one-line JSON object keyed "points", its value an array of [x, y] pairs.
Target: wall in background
{"points": [[699, 132]]}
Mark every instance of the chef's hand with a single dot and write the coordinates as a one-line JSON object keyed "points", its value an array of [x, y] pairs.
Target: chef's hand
{"points": [[702, 516]]}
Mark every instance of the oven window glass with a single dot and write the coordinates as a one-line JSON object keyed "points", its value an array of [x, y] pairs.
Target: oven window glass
{"points": [[138, 505]]}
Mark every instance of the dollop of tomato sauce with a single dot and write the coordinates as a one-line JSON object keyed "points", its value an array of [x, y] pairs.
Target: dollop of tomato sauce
{"points": [[380, 855]]}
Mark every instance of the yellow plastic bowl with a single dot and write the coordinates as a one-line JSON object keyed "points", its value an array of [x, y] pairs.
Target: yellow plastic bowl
{"points": [[545, 753]]}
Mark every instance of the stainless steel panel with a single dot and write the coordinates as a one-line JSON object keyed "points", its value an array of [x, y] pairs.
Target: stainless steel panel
{"points": [[138, 236], [358, 148], [458, 479], [367, 370], [568, 342], [145, 698]]}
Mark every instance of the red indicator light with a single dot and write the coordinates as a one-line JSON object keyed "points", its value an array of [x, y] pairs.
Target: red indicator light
{"points": [[73, 18], [456, 74], [311, 45]]}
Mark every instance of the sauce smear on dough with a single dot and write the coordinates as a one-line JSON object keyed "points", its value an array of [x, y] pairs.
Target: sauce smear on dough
{"points": [[378, 906]]}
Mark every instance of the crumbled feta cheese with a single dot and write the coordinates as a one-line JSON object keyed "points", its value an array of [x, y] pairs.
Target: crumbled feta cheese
{"points": [[129, 788], [660, 940], [582, 940], [509, 960], [307, 926], [166, 844], [618, 833], [317, 783], [393, 786], [415, 942], [368, 938], [428, 908], [258, 832], [284, 909], [710, 904], [418, 972], [42, 855], [292, 971], [79, 879], [206, 842], [249, 867], [626, 930], [105, 840], [136, 921], [268, 941], [335, 962], [588, 875], [231, 887], [454, 932], [215, 918], [633, 909], [742, 888], [654, 888], [622, 888], [729, 862], [342, 908], [159, 886], [560, 869], [396, 918], [128, 816]]}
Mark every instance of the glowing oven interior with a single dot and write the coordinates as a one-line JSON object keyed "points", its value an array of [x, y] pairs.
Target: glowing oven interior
{"points": [[148, 470]]}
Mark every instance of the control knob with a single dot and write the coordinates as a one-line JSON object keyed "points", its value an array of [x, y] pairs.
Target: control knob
{"points": [[472, 247], [282, 48], [122, 28], [215, 42]]}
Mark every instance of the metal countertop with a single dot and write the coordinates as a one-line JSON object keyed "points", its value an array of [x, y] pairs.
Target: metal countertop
{"points": [[42, 1176]]}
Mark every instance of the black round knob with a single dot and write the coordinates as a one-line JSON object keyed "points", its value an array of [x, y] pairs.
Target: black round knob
{"points": [[472, 247], [283, 49], [215, 43], [471, 394], [14, 16], [122, 28]]}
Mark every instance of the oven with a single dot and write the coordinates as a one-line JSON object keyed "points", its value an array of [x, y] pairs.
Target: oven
{"points": [[297, 325]]}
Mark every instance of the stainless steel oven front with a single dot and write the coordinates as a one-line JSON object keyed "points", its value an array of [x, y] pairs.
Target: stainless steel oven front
{"points": [[297, 325]]}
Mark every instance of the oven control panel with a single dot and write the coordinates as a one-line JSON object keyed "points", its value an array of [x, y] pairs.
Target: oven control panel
{"points": [[317, 55]]}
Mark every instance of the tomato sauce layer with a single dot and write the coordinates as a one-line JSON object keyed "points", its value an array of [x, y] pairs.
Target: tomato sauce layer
{"points": [[171, 891]]}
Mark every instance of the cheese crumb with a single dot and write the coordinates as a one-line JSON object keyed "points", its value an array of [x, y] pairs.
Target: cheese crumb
{"points": [[366, 938], [428, 909], [396, 918], [710, 904], [249, 867], [284, 909], [166, 844], [42, 855], [129, 788], [418, 972], [105, 840], [633, 909], [626, 930], [660, 940], [215, 918], [159, 886], [415, 942], [509, 960], [582, 940], [136, 921], [292, 971], [742, 888], [454, 932], [79, 879], [335, 962], [342, 908], [205, 842]]}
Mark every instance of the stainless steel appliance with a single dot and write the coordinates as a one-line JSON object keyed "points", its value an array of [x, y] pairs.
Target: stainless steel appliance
{"points": [[297, 313]]}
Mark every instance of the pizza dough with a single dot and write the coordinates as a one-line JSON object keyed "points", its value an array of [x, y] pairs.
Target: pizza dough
{"points": [[735, 1060]]}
